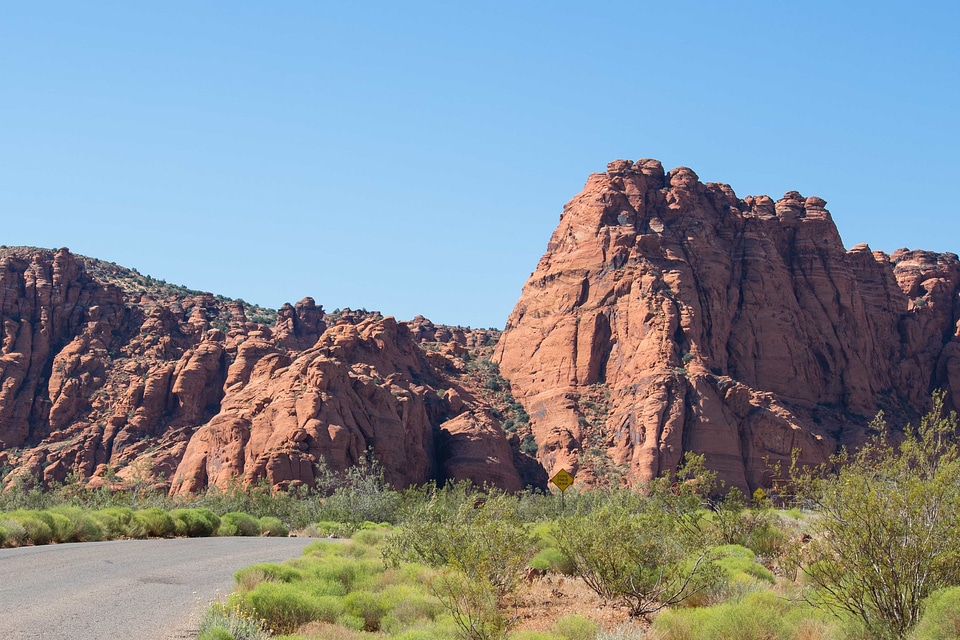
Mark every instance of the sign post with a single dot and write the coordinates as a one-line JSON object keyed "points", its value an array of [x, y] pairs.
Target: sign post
{"points": [[562, 479]]}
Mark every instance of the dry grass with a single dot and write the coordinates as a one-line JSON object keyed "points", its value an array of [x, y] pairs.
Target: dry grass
{"points": [[328, 631]]}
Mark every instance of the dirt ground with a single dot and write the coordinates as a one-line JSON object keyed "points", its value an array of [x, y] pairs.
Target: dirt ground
{"points": [[549, 598]]}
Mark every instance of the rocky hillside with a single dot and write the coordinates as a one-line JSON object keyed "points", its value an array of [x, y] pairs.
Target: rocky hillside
{"points": [[107, 374], [666, 316], [670, 315]]}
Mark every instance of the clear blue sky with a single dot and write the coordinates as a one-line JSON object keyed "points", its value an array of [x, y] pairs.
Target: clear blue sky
{"points": [[414, 157]]}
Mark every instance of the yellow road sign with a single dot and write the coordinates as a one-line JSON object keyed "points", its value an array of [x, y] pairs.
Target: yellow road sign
{"points": [[562, 479]]}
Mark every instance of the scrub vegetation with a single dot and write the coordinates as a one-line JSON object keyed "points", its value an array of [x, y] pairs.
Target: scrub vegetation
{"points": [[865, 547]]}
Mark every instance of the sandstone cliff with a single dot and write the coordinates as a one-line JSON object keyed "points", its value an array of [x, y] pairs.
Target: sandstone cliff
{"points": [[105, 373], [669, 315]]}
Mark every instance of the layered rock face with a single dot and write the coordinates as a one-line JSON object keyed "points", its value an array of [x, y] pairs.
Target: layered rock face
{"points": [[105, 372], [668, 315]]}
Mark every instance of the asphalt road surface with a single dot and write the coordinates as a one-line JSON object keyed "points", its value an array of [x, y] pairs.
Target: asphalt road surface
{"points": [[130, 589]]}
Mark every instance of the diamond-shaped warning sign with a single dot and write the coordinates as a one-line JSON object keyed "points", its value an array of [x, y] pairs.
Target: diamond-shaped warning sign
{"points": [[562, 479]]}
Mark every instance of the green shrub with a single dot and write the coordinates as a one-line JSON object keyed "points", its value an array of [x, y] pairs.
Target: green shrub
{"points": [[114, 520], [328, 608], [151, 523], [270, 526], [766, 540], [940, 619], [237, 623], [542, 534], [195, 523], [364, 496], [408, 605], [553, 560], [885, 536], [215, 633], [734, 560], [366, 606], [535, 635], [440, 630], [36, 529], [62, 527], [3, 535], [331, 529], [639, 553], [16, 533], [351, 622], [85, 528], [249, 577], [759, 616], [575, 628], [371, 534], [350, 573], [236, 523], [282, 606]]}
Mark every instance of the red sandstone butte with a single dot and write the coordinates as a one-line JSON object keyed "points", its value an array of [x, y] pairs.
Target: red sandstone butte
{"points": [[736, 328]]}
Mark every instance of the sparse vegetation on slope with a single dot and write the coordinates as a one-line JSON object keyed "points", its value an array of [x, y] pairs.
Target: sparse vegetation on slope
{"points": [[713, 566]]}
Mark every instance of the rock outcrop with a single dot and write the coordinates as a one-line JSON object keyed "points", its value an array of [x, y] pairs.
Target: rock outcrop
{"points": [[668, 315], [107, 376]]}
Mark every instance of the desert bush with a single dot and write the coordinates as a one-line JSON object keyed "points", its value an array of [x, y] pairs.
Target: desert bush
{"points": [[271, 526], [329, 608], [941, 617], [481, 547], [365, 499], [152, 522], [626, 631], [552, 559], [220, 618], [248, 578], [16, 533], [238, 524], [195, 523], [372, 534], [367, 606], [759, 616], [575, 627], [408, 605], [885, 536], [282, 606], [37, 529], [349, 573], [84, 527], [635, 552], [736, 560], [4, 536], [330, 529], [114, 520]]}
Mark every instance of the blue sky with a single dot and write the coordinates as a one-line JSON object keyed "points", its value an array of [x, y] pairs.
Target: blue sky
{"points": [[415, 157]]}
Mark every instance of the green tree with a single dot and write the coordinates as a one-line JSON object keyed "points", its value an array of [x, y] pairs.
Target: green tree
{"points": [[886, 535]]}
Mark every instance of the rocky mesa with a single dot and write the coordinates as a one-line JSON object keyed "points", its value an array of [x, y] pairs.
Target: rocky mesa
{"points": [[668, 315]]}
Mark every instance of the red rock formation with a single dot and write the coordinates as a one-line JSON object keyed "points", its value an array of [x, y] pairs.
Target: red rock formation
{"points": [[104, 370], [740, 329]]}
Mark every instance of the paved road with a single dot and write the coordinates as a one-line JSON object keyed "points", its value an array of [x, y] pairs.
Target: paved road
{"points": [[143, 589]]}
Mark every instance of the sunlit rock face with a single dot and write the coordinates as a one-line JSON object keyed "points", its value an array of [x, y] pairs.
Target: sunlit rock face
{"points": [[668, 315], [107, 376]]}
